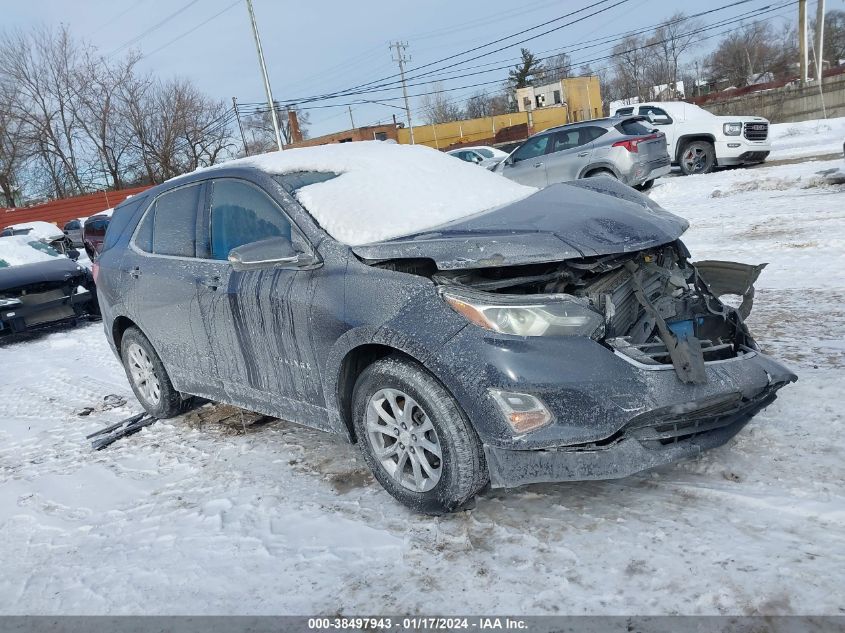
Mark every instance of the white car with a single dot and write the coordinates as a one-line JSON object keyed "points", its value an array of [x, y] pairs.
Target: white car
{"points": [[483, 155], [698, 141]]}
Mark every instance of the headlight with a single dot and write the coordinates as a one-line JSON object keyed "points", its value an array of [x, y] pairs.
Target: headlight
{"points": [[554, 315], [9, 303], [732, 129]]}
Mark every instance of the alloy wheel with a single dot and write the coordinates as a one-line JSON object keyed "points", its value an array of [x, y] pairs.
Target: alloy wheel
{"points": [[404, 440], [143, 374], [695, 160]]}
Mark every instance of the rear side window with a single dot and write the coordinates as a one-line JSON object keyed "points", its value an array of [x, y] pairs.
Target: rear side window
{"points": [[72, 225], [242, 214], [633, 127], [569, 139], [175, 226]]}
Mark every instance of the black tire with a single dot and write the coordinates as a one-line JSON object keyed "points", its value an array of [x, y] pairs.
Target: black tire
{"points": [[645, 186], [697, 157], [462, 467], [169, 402], [601, 172]]}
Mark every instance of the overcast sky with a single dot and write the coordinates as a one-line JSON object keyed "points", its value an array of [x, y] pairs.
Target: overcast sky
{"points": [[327, 45]]}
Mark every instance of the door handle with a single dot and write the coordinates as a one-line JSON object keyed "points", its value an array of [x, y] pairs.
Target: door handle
{"points": [[582, 154], [538, 164], [212, 283], [135, 272]]}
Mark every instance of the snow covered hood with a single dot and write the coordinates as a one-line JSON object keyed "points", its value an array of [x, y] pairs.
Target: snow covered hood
{"points": [[385, 190], [17, 250], [40, 230], [595, 216]]}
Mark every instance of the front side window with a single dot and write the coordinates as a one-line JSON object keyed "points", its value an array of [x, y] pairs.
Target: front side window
{"points": [[532, 148], [242, 214]]}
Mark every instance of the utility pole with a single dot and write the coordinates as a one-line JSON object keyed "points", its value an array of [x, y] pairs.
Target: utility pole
{"points": [[802, 40], [401, 58], [819, 40], [240, 126], [351, 120], [270, 103]]}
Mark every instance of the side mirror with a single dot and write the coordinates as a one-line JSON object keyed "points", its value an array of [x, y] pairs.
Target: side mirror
{"points": [[274, 251], [72, 253]]}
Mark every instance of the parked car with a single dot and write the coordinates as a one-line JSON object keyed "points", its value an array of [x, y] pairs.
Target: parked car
{"points": [[94, 232], [483, 155], [44, 232], [622, 148], [73, 231], [40, 286], [461, 328], [698, 141]]}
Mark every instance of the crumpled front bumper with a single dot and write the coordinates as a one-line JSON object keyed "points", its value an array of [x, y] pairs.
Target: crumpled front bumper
{"points": [[649, 441]]}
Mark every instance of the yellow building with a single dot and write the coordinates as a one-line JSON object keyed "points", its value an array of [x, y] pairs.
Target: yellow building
{"points": [[578, 98]]}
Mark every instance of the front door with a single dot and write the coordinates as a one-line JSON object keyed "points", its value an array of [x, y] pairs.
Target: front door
{"points": [[527, 163], [258, 320]]}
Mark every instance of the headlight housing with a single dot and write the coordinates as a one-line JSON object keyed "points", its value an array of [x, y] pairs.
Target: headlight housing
{"points": [[524, 315], [732, 129]]}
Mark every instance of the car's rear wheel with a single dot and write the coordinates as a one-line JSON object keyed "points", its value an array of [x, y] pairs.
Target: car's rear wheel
{"points": [[415, 438], [147, 376], [601, 172], [697, 157], [645, 186]]}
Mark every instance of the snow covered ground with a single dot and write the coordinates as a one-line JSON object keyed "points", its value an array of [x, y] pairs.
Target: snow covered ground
{"points": [[807, 138], [203, 518]]}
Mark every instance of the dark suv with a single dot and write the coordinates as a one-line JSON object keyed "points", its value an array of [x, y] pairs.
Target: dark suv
{"points": [[94, 232], [562, 336]]}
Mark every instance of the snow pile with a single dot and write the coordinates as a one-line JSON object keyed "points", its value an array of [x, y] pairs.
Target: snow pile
{"points": [[807, 138], [16, 250], [386, 190], [40, 230]]}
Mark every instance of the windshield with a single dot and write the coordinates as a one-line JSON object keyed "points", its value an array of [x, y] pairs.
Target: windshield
{"points": [[486, 153], [18, 250]]}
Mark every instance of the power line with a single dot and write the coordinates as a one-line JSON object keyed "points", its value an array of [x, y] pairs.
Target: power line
{"points": [[740, 18], [191, 30], [154, 27]]}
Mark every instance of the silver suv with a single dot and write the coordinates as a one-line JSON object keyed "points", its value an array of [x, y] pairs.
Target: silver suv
{"points": [[626, 148]]}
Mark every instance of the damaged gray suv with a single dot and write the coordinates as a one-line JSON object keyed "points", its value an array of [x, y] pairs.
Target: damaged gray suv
{"points": [[504, 336]]}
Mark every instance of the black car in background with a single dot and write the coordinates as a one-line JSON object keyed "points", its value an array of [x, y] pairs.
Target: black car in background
{"points": [[41, 287]]}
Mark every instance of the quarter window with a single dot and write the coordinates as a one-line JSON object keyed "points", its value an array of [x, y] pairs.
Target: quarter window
{"points": [[242, 214]]}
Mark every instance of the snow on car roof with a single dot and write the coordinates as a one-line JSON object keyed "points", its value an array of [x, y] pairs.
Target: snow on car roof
{"points": [[40, 230], [386, 190], [17, 250]]}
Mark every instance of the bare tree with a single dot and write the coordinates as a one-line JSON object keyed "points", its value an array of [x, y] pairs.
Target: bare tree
{"points": [[482, 104], [438, 108], [669, 42], [756, 49], [13, 145], [258, 128], [556, 68]]}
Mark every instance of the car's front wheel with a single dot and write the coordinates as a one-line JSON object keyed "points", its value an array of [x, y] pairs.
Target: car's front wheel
{"points": [[147, 376], [415, 438], [697, 157]]}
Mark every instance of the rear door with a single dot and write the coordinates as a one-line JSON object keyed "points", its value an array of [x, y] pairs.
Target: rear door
{"points": [[571, 153], [162, 268], [527, 163]]}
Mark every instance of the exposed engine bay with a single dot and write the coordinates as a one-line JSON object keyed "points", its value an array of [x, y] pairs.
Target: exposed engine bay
{"points": [[658, 308]]}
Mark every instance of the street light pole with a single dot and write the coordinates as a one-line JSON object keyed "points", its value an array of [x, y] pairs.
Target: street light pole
{"points": [[270, 102]]}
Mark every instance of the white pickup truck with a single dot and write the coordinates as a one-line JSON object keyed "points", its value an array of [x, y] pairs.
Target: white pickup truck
{"points": [[698, 141]]}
